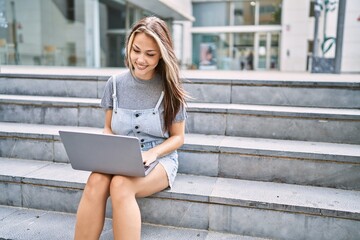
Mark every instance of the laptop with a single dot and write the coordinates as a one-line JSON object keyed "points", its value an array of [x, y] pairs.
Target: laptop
{"points": [[110, 154]]}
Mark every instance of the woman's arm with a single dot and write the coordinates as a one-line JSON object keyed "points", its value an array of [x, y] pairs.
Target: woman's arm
{"points": [[107, 125], [176, 140]]}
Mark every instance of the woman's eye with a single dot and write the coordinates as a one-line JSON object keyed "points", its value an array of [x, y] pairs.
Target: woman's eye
{"points": [[151, 55], [135, 50]]}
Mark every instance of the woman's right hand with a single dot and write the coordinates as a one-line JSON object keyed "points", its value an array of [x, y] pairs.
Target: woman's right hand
{"points": [[108, 131]]}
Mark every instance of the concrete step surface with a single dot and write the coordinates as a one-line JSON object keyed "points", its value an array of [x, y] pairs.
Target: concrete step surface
{"points": [[261, 121], [217, 87], [24, 224], [312, 112], [260, 209], [280, 92], [297, 162]]}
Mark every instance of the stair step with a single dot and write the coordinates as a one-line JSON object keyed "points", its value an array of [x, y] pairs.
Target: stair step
{"points": [[23, 224], [51, 110], [278, 122], [226, 87], [209, 203], [278, 90], [297, 162], [85, 86], [261, 121]]}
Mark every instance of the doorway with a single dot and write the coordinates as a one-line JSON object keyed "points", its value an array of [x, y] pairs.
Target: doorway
{"points": [[267, 50]]}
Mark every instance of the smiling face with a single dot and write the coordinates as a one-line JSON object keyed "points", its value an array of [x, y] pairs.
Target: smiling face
{"points": [[144, 56]]}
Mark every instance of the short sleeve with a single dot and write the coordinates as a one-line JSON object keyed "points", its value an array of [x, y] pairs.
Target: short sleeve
{"points": [[106, 100], [181, 115]]}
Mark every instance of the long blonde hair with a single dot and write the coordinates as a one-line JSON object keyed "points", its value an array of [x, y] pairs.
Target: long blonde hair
{"points": [[167, 67]]}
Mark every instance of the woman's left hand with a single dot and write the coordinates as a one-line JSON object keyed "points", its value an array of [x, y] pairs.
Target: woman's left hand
{"points": [[149, 157]]}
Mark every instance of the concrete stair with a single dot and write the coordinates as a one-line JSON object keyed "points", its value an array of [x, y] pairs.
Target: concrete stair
{"points": [[220, 204], [42, 224], [295, 162], [259, 121], [289, 90], [276, 166]]}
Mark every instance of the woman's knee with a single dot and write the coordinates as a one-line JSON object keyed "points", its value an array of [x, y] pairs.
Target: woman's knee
{"points": [[98, 185], [121, 188]]}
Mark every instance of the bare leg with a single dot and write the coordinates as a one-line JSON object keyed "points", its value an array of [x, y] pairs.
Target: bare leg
{"points": [[126, 212], [91, 211]]}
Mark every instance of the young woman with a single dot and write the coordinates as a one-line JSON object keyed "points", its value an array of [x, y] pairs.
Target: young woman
{"points": [[148, 102]]}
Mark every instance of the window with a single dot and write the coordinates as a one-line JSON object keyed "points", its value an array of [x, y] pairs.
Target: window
{"points": [[237, 13], [244, 13], [70, 10], [269, 12], [312, 10], [211, 14]]}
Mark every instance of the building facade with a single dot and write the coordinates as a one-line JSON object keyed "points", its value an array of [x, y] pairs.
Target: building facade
{"points": [[272, 35], [88, 33]]}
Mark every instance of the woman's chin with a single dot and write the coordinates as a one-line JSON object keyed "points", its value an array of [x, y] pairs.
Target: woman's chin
{"points": [[143, 73]]}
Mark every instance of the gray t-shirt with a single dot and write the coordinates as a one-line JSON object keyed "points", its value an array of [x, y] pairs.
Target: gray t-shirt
{"points": [[136, 94]]}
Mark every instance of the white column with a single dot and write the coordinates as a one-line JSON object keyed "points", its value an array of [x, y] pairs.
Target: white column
{"points": [[268, 50], [256, 51], [92, 33]]}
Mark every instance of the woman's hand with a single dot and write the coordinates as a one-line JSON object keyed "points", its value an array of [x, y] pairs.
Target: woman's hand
{"points": [[107, 131], [149, 157], [176, 139]]}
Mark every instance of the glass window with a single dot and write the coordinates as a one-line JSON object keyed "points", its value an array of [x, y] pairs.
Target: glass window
{"points": [[312, 9], [243, 51], [244, 13], [225, 51], [238, 13], [269, 12], [262, 52], [34, 33], [274, 51], [211, 14], [206, 50], [116, 17]]}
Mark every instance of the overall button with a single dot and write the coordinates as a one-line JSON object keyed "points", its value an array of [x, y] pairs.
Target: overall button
{"points": [[137, 115], [142, 145], [142, 140], [138, 132], [136, 127]]}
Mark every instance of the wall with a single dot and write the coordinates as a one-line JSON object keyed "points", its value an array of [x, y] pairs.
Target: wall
{"points": [[294, 35], [351, 50]]}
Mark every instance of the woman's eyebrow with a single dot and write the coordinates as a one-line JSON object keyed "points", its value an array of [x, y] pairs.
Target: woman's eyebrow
{"points": [[150, 50]]}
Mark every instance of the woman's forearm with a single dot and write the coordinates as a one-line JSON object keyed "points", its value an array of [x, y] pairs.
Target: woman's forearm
{"points": [[169, 145]]}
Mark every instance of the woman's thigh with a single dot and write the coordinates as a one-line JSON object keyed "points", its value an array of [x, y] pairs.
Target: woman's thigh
{"points": [[154, 182]]}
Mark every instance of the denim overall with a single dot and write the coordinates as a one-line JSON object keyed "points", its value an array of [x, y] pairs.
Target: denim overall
{"points": [[146, 126]]}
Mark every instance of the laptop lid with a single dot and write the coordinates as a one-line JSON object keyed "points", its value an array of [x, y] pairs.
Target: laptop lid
{"points": [[111, 154]]}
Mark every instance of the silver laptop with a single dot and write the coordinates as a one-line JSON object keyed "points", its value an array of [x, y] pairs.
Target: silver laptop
{"points": [[111, 154]]}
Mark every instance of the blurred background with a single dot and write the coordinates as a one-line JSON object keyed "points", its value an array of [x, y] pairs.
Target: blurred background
{"points": [[241, 35]]}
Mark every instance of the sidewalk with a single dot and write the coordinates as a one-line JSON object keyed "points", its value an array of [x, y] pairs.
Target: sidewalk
{"points": [[191, 74]]}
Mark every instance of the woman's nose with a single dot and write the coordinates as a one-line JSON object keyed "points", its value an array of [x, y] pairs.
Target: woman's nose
{"points": [[141, 58]]}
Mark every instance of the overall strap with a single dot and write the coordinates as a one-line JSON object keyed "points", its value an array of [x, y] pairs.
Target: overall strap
{"points": [[159, 101], [114, 95]]}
